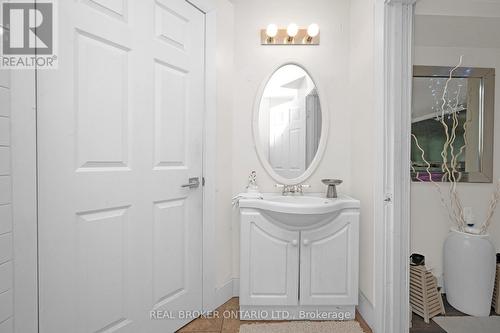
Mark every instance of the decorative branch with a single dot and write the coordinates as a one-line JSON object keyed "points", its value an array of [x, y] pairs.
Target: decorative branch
{"points": [[453, 203], [495, 198], [436, 185]]}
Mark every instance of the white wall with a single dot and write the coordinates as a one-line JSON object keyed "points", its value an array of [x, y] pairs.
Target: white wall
{"points": [[327, 64], [330, 67], [439, 44], [224, 123], [361, 83]]}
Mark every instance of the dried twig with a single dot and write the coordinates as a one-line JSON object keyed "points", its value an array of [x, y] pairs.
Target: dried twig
{"points": [[450, 172]]}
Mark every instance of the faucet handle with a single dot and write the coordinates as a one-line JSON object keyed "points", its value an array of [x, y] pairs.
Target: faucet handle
{"points": [[300, 188], [285, 189]]}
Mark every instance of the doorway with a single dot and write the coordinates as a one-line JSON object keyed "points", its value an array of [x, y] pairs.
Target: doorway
{"points": [[462, 71]]}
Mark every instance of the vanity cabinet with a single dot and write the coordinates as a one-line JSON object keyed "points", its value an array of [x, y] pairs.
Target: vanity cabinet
{"points": [[298, 268]]}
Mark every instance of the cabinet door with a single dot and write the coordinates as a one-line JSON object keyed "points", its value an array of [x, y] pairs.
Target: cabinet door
{"points": [[329, 263], [269, 262]]}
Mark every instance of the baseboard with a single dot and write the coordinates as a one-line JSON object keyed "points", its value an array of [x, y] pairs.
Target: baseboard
{"points": [[236, 287], [223, 294], [366, 310], [227, 291]]}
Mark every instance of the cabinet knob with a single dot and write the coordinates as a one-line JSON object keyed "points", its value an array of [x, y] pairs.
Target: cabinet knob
{"points": [[305, 242], [294, 242]]}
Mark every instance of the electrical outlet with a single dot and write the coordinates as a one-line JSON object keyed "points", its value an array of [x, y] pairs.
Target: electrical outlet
{"points": [[468, 215]]}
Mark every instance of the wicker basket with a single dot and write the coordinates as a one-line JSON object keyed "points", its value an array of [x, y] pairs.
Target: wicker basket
{"points": [[496, 292], [425, 299]]}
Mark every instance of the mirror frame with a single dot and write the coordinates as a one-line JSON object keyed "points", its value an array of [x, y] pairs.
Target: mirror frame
{"points": [[325, 122], [487, 114]]}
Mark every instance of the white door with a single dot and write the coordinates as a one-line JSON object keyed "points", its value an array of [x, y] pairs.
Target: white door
{"points": [[279, 138], [119, 133], [269, 262], [287, 139], [297, 137], [329, 263]]}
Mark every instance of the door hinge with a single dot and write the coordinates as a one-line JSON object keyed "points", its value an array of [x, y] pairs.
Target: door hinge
{"points": [[202, 181]]}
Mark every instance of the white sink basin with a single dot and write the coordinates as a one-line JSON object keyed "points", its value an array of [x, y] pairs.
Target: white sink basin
{"points": [[300, 211]]}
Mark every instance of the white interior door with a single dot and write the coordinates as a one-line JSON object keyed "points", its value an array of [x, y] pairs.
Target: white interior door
{"points": [[297, 137], [119, 133], [287, 139], [279, 138]]}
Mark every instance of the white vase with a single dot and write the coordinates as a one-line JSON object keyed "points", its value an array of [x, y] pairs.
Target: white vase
{"points": [[469, 272]]}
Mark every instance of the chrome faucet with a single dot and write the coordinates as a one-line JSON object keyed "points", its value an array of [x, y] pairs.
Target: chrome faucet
{"points": [[292, 189]]}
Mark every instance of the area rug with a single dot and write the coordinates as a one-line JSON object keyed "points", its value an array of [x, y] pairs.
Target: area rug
{"points": [[304, 327], [469, 324]]}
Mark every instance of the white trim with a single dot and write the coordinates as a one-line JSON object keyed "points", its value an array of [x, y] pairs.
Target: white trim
{"points": [[227, 291], [236, 287], [378, 195], [325, 123], [224, 293], [210, 293], [394, 30], [393, 38], [366, 310], [24, 200]]}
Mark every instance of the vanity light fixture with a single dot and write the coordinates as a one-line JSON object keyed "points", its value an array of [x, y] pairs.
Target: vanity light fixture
{"points": [[291, 31], [291, 35], [271, 32], [312, 31]]}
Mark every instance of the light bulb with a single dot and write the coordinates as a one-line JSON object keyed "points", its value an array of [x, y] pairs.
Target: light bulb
{"points": [[313, 30], [292, 30], [272, 30]]}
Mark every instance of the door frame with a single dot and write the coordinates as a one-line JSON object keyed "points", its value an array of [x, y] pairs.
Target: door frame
{"points": [[393, 84], [209, 8], [24, 200], [25, 189]]}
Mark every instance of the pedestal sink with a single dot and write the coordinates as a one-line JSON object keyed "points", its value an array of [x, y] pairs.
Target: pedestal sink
{"points": [[300, 211]]}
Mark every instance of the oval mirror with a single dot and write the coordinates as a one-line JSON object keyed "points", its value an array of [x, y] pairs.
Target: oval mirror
{"points": [[289, 125]]}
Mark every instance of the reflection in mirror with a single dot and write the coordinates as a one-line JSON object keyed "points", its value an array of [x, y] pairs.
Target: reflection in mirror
{"points": [[289, 121], [467, 108]]}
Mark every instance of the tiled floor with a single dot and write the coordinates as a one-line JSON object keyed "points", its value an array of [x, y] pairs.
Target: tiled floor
{"points": [[419, 326], [232, 325]]}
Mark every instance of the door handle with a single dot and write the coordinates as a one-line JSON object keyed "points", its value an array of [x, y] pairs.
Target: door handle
{"points": [[193, 183]]}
